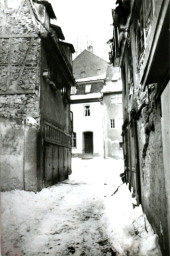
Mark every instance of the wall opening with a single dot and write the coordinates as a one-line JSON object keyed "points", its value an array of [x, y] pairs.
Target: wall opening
{"points": [[88, 142]]}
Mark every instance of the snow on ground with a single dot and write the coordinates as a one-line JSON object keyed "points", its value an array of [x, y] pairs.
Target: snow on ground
{"points": [[81, 216]]}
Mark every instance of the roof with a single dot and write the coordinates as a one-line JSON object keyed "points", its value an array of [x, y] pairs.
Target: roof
{"points": [[112, 87], [69, 45], [86, 96], [87, 64], [49, 8], [93, 78], [90, 53], [58, 31]]}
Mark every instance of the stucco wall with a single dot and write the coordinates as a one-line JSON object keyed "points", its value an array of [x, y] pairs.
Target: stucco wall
{"points": [[112, 135], [165, 104], [19, 95], [18, 156], [92, 123], [141, 97], [152, 178]]}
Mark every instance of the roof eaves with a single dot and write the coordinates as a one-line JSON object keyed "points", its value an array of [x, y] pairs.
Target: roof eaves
{"points": [[69, 45], [49, 8], [59, 31]]}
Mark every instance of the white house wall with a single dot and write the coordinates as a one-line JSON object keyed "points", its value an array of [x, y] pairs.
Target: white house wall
{"points": [[92, 123]]}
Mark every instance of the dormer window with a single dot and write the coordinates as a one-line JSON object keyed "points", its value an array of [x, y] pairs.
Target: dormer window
{"points": [[87, 88], [98, 71], [73, 90], [83, 74]]}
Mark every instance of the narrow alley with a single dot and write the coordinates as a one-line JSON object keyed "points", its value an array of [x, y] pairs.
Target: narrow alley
{"points": [[84, 128], [89, 214]]}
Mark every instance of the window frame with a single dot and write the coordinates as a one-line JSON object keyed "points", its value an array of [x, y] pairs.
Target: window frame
{"points": [[89, 88], [87, 112], [112, 123], [74, 140]]}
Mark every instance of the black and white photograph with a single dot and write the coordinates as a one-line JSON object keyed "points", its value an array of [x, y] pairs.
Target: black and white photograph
{"points": [[84, 128]]}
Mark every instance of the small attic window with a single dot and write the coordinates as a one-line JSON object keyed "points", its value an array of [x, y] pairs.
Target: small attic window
{"points": [[82, 74], [73, 90], [87, 88], [98, 71]]}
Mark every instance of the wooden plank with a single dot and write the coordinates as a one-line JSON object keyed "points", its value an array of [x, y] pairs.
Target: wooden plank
{"points": [[55, 164], [48, 163], [61, 164]]}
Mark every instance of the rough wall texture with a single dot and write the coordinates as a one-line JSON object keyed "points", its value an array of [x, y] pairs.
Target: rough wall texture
{"points": [[27, 99], [152, 177], [19, 95], [142, 84]]}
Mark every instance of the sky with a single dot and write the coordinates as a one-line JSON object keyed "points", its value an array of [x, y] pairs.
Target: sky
{"points": [[86, 22]]}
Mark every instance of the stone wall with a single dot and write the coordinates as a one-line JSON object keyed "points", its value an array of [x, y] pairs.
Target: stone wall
{"points": [[143, 81], [19, 95], [28, 99], [152, 176]]}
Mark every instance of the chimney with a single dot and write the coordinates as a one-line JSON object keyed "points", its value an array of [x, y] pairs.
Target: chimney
{"points": [[90, 48]]}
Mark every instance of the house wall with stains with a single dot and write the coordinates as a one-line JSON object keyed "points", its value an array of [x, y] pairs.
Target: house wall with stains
{"points": [[143, 47], [19, 96], [28, 99]]}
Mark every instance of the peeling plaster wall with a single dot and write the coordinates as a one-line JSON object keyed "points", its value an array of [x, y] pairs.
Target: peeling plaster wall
{"points": [[152, 178], [19, 95], [112, 135], [152, 157]]}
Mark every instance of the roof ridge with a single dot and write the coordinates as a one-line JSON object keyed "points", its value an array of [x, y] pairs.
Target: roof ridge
{"points": [[92, 54]]}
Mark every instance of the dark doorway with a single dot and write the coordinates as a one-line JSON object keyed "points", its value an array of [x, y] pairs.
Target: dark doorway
{"points": [[88, 143]]}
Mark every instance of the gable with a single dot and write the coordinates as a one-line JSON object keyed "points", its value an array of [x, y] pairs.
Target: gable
{"points": [[20, 19], [88, 64]]}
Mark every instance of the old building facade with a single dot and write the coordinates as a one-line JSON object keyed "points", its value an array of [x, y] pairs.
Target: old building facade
{"points": [[140, 47], [36, 76], [96, 103]]}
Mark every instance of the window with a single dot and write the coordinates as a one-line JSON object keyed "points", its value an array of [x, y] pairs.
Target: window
{"points": [[120, 144], [87, 110], [73, 90], [87, 88], [116, 99], [112, 123], [83, 74], [74, 140], [71, 119], [113, 99], [119, 99], [98, 71]]}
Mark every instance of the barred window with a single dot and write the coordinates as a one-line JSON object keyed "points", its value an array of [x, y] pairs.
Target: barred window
{"points": [[112, 123], [74, 140]]}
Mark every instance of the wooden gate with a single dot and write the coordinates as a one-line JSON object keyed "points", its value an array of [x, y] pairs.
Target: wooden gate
{"points": [[57, 154]]}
